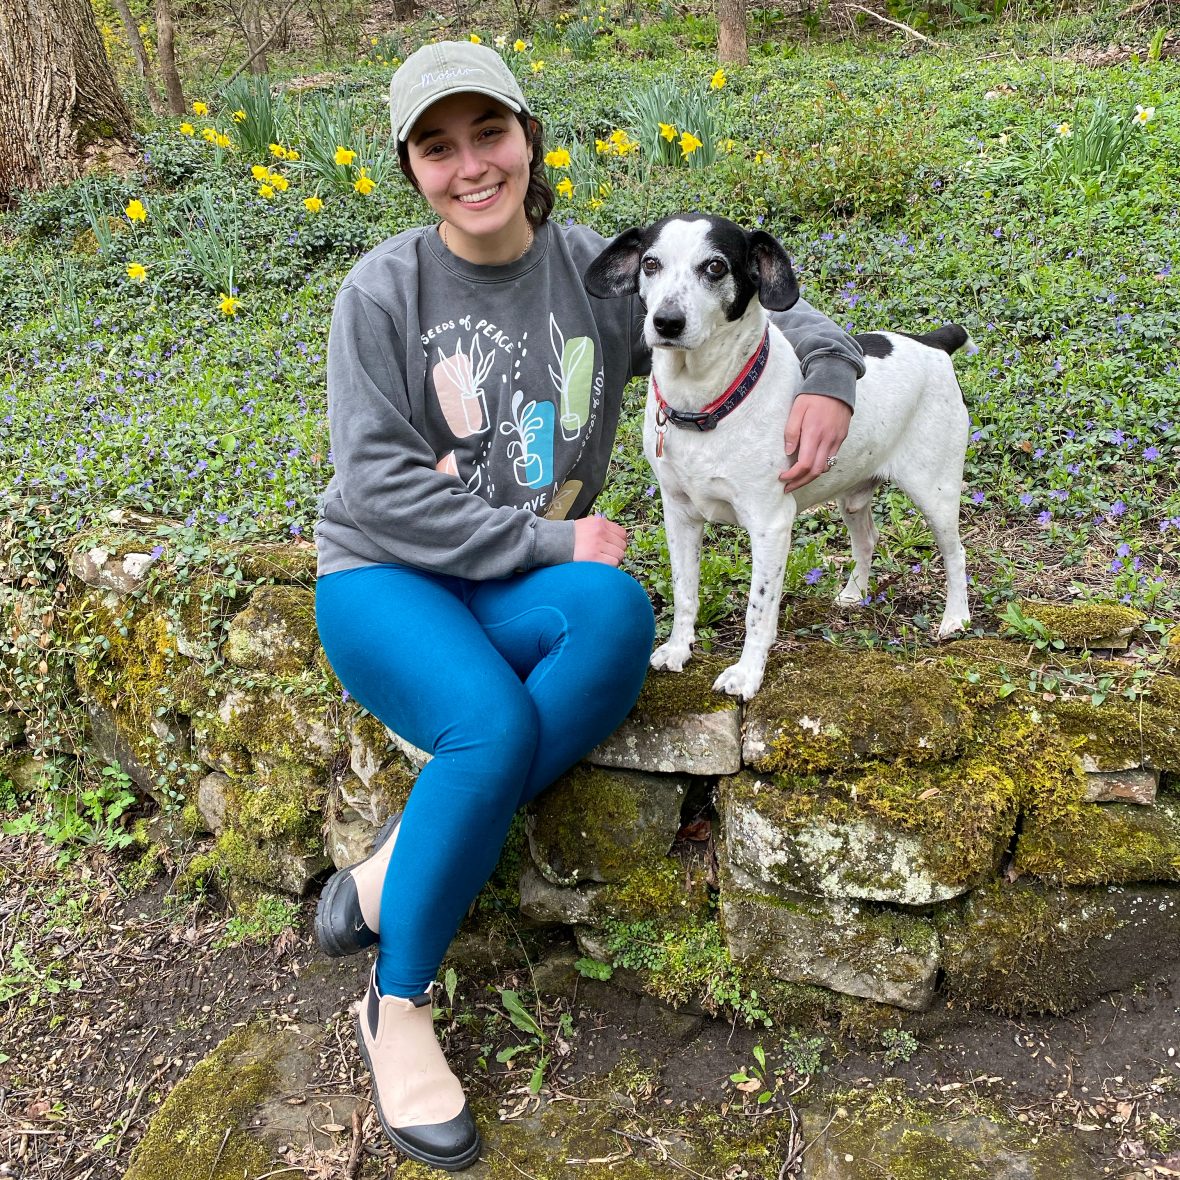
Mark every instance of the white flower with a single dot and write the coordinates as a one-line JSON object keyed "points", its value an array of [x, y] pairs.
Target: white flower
{"points": [[1143, 114]]}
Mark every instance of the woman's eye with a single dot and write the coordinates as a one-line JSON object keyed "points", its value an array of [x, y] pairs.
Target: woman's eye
{"points": [[716, 268]]}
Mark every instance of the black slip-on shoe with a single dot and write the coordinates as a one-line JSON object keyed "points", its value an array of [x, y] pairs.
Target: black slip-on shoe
{"points": [[340, 925]]}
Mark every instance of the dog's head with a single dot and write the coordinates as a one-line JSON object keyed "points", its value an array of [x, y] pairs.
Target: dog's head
{"points": [[694, 273]]}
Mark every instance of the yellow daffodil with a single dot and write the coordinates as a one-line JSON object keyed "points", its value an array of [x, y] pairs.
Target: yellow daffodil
{"points": [[594, 203], [136, 273], [279, 182], [312, 204], [619, 136], [229, 304], [519, 46], [1143, 114], [264, 190], [537, 66], [604, 190], [759, 156], [223, 140], [1064, 130], [238, 116], [365, 183], [292, 154], [566, 188], [668, 131], [209, 134], [717, 80], [372, 40], [475, 39], [688, 144], [558, 158], [187, 129], [345, 156], [261, 173], [601, 146], [199, 108], [136, 211], [278, 151], [727, 145]]}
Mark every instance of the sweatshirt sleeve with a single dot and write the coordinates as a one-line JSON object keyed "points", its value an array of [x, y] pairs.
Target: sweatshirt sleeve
{"points": [[831, 359], [385, 471]]}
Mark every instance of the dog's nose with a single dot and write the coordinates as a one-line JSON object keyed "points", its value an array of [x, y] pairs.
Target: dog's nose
{"points": [[669, 322]]}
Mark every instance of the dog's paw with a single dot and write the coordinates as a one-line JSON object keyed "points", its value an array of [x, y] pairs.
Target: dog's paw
{"points": [[671, 656], [738, 681], [952, 625], [850, 596]]}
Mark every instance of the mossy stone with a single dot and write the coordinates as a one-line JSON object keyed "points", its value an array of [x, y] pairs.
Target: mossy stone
{"points": [[1099, 625], [276, 632]]}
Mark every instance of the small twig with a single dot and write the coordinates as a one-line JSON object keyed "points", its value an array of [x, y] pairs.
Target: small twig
{"points": [[897, 25], [217, 1157], [795, 1145], [358, 1142]]}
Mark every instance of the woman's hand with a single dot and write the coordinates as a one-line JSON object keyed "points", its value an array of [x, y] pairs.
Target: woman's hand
{"points": [[816, 427], [599, 539]]}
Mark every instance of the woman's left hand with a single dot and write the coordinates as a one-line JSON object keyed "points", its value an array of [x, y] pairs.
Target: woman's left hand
{"points": [[816, 427]]}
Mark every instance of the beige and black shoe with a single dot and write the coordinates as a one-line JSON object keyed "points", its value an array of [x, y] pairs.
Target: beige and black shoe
{"points": [[419, 1100], [348, 914]]}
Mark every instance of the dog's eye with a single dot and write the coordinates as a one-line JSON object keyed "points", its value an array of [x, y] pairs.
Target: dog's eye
{"points": [[716, 269], [650, 266]]}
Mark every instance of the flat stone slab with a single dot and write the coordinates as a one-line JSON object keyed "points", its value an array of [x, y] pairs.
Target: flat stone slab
{"points": [[859, 950], [1134, 785], [544, 902], [105, 569]]}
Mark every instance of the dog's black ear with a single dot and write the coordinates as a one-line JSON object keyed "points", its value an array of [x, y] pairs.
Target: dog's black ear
{"points": [[616, 270], [771, 270]]}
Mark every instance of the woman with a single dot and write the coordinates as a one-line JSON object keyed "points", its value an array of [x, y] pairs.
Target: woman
{"points": [[465, 595]]}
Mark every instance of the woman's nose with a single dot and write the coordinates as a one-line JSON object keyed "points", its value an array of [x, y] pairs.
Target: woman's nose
{"points": [[471, 162]]}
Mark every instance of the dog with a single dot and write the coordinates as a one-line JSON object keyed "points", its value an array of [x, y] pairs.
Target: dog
{"points": [[706, 285]]}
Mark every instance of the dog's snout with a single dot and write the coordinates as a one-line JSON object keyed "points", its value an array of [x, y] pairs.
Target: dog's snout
{"points": [[669, 321]]}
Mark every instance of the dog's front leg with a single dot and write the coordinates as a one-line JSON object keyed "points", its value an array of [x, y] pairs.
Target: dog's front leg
{"points": [[769, 545], [684, 527]]}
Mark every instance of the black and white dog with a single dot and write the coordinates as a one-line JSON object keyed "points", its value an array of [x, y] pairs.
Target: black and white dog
{"points": [[705, 284]]}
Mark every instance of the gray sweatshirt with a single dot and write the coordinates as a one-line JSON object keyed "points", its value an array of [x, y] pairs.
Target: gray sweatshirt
{"points": [[472, 409]]}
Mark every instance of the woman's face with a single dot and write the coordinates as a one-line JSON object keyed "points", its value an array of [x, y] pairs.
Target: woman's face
{"points": [[470, 157]]}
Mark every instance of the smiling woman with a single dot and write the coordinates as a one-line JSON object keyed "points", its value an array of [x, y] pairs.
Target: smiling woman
{"points": [[467, 596]]}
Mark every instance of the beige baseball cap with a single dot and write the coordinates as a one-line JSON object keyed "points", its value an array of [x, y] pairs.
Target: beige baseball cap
{"points": [[445, 68]]}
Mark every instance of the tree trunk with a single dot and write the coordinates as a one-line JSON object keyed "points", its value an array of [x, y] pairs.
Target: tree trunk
{"points": [[732, 47], [60, 109], [166, 48], [141, 56], [256, 39]]}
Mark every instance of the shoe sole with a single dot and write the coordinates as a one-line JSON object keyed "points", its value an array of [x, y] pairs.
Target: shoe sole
{"points": [[446, 1163], [337, 937]]}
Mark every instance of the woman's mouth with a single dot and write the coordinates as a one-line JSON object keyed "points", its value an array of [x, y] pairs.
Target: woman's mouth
{"points": [[484, 194]]}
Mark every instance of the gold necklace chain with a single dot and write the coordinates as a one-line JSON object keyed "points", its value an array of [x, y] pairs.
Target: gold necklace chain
{"points": [[528, 242]]}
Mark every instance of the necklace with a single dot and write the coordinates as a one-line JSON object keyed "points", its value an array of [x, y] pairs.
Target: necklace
{"points": [[528, 242]]}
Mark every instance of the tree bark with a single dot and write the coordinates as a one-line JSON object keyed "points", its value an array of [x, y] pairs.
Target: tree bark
{"points": [[732, 47], [166, 49], [60, 108], [141, 55]]}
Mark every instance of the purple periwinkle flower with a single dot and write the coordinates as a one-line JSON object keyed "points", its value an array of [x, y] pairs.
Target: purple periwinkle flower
{"points": [[977, 497], [813, 575], [1151, 454], [1026, 498], [1118, 508]]}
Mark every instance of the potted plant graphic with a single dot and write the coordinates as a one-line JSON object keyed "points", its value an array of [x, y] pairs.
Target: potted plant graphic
{"points": [[573, 378], [532, 448], [458, 381]]}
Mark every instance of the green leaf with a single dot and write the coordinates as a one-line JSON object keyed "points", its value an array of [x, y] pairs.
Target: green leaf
{"points": [[760, 1055], [519, 1014]]}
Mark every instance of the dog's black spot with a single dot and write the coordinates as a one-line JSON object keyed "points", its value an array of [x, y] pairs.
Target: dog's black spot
{"points": [[729, 240], [874, 344], [950, 338]]}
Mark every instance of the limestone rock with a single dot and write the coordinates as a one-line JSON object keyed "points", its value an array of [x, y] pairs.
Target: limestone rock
{"points": [[231, 1116], [858, 950], [1115, 844], [678, 725], [779, 839], [544, 902], [105, 569], [147, 754], [825, 709], [265, 726], [1093, 626], [12, 730], [1035, 948], [27, 772], [275, 633], [1132, 785], [599, 825], [212, 800]]}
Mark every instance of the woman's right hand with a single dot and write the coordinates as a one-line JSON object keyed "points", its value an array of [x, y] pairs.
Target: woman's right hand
{"points": [[599, 539]]}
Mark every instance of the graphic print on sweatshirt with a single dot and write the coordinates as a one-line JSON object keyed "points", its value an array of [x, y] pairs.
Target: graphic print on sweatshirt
{"points": [[493, 399]]}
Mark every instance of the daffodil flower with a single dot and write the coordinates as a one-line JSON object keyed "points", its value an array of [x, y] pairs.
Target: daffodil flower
{"points": [[566, 188], [668, 131], [209, 134], [187, 129], [265, 191], [519, 46], [312, 204], [136, 272], [292, 154], [223, 140], [365, 184], [717, 80], [238, 116], [689, 144], [1064, 130], [558, 158], [229, 304], [537, 66], [199, 108], [261, 173], [280, 182], [475, 39], [345, 156], [1143, 114], [136, 211], [278, 151]]}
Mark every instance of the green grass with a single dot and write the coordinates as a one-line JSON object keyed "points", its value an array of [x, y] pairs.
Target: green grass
{"points": [[912, 187]]}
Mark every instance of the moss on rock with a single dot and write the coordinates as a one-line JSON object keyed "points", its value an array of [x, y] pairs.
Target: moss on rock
{"points": [[276, 632], [1084, 624], [674, 694]]}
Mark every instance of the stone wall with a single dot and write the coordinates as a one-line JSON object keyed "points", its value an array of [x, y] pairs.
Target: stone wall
{"points": [[992, 822]]}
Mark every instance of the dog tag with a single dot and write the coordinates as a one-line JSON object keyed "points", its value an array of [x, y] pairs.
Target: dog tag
{"points": [[661, 430]]}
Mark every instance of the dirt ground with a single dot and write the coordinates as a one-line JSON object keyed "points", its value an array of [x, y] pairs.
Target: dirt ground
{"points": [[116, 997]]}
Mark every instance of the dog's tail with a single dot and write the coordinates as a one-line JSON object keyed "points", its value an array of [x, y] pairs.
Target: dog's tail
{"points": [[950, 338]]}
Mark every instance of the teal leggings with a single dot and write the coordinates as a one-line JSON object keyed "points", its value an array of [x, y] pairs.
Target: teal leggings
{"points": [[507, 684]]}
